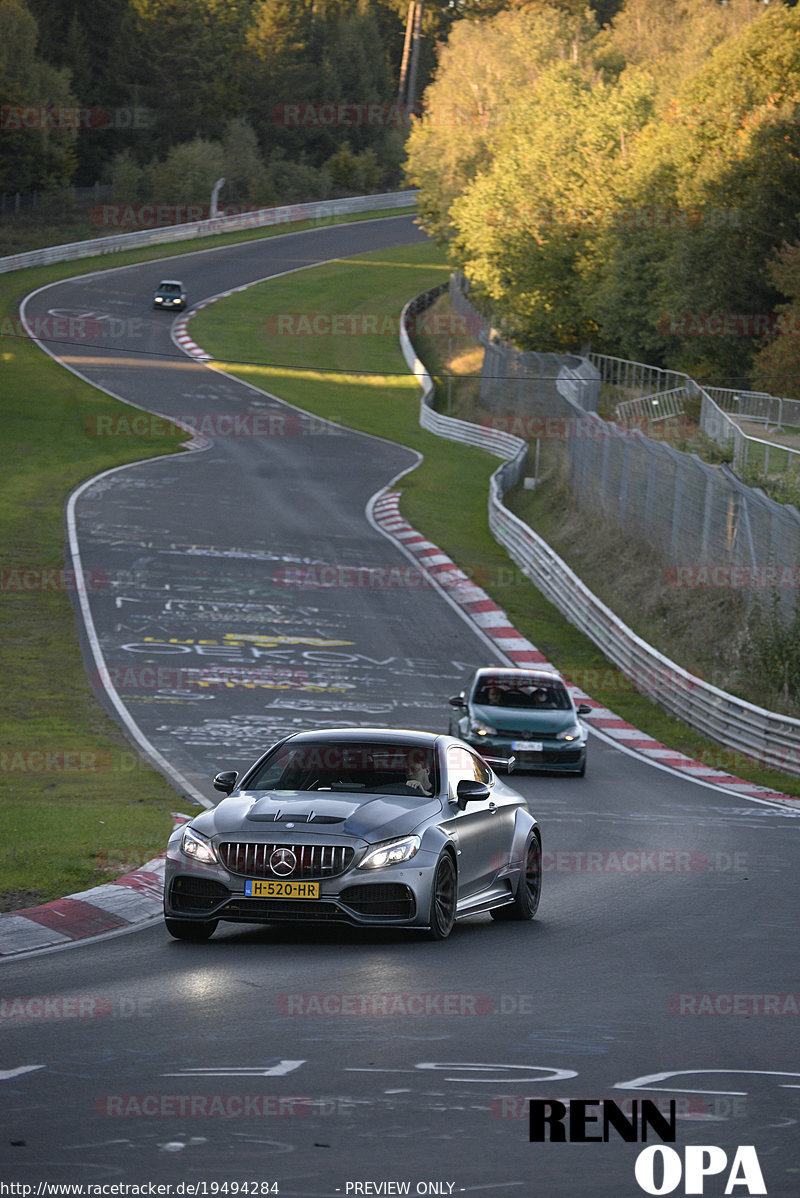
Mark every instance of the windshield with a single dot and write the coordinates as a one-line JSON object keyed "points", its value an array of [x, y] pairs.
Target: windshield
{"points": [[171, 288], [526, 693], [349, 766]]}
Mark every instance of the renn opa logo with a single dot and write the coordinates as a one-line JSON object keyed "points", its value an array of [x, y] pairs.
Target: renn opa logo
{"points": [[658, 1169]]}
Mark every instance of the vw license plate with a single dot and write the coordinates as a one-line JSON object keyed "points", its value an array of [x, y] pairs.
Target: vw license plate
{"points": [[526, 746], [256, 888]]}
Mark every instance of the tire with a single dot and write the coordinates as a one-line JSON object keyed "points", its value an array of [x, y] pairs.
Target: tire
{"points": [[190, 929], [443, 898], [529, 888]]}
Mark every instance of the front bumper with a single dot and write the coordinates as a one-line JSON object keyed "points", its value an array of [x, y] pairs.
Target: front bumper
{"points": [[397, 896], [567, 757]]}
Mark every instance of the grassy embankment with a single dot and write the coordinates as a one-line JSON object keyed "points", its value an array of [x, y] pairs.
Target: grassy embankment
{"points": [[77, 806], [446, 497]]}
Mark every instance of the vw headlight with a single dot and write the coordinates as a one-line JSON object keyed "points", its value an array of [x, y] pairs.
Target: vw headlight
{"points": [[198, 848], [391, 852], [572, 733], [481, 729]]}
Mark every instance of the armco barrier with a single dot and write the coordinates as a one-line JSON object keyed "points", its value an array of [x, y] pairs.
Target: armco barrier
{"points": [[503, 445], [260, 219], [772, 739]]}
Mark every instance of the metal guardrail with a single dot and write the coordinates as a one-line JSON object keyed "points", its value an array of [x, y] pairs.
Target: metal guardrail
{"points": [[772, 739], [259, 219], [717, 408], [722, 428], [503, 445], [757, 406], [637, 413], [636, 376]]}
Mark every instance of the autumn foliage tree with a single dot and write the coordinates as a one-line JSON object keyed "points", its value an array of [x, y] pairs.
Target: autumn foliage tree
{"points": [[619, 186]]}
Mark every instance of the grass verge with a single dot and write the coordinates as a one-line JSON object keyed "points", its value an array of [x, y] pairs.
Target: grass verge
{"points": [[446, 496], [78, 806]]}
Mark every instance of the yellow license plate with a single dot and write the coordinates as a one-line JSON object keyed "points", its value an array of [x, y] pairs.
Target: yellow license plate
{"points": [[255, 888]]}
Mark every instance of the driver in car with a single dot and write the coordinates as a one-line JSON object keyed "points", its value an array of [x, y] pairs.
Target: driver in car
{"points": [[419, 778]]}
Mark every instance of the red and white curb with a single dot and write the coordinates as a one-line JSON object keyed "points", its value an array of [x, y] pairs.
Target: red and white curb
{"points": [[127, 901], [179, 329], [495, 624]]}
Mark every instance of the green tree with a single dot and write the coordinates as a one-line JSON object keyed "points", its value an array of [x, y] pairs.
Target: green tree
{"points": [[181, 60], [673, 38], [484, 70], [188, 173], [776, 367], [353, 173], [129, 180], [530, 229], [728, 147], [242, 164], [38, 106]]}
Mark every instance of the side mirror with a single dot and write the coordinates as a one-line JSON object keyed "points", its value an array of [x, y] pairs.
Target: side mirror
{"points": [[503, 763], [584, 709], [457, 701], [226, 781], [470, 790]]}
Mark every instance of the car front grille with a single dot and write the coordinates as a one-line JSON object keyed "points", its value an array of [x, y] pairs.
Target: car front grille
{"points": [[549, 756], [526, 734], [389, 900], [313, 860]]}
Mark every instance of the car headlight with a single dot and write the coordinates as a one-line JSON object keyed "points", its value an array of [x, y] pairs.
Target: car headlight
{"points": [[573, 733], [198, 847], [391, 852], [159, 299], [481, 729]]}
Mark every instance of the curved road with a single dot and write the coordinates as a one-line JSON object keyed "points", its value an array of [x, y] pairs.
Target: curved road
{"points": [[663, 963]]}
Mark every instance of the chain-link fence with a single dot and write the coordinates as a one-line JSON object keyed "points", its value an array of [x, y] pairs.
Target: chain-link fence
{"points": [[710, 529], [708, 526], [523, 381]]}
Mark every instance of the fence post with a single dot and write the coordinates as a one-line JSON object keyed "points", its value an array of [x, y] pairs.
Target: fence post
{"points": [[676, 511], [648, 500], [707, 504]]}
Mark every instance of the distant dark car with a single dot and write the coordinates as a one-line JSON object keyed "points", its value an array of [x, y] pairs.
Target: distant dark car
{"points": [[527, 714], [170, 293], [367, 826]]}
